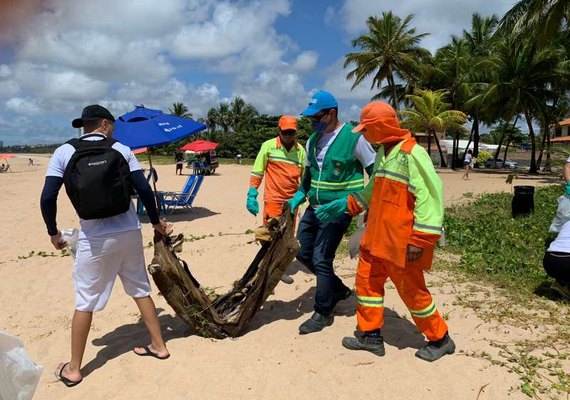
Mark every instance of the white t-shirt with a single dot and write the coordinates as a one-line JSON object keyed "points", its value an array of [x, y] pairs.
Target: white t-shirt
{"points": [[568, 160], [562, 241], [363, 152], [126, 221]]}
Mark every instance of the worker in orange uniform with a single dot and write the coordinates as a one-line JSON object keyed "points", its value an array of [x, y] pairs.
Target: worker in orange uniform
{"points": [[405, 215], [282, 161]]}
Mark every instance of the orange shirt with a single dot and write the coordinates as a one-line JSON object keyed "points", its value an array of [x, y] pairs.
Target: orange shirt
{"points": [[282, 170]]}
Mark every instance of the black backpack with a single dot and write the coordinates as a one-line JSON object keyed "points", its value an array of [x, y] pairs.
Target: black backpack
{"points": [[97, 179]]}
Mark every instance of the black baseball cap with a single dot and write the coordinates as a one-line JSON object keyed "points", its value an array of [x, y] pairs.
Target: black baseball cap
{"points": [[93, 112]]}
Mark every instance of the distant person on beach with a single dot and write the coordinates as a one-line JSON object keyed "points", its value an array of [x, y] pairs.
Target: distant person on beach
{"points": [[30, 162], [468, 163], [334, 167], [404, 200], [179, 160], [110, 239], [2, 168], [281, 162], [556, 260]]}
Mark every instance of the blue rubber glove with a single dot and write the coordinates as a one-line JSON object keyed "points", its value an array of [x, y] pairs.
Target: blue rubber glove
{"points": [[251, 204], [568, 188], [298, 199], [332, 210]]}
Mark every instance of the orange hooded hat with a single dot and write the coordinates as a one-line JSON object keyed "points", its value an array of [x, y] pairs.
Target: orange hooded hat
{"points": [[380, 121]]}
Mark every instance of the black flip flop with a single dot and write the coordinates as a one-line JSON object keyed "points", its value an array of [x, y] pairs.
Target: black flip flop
{"points": [[149, 352], [66, 381]]}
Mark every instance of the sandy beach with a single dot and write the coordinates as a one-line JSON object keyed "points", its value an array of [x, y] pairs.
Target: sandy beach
{"points": [[271, 360]]}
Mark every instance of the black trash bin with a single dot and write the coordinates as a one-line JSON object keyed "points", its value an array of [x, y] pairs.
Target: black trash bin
{"points": [[523, 201]]}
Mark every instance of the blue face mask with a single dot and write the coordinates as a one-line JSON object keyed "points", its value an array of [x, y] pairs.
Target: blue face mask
{"points": [[319, 127]]}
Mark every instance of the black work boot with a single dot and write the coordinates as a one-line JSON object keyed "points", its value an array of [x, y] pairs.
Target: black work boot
{"points": [[436, 349], [371, 341], [316, 323]]}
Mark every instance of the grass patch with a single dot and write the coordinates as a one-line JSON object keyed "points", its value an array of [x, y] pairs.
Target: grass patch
{"points": [[494, 246], [484, 243]]}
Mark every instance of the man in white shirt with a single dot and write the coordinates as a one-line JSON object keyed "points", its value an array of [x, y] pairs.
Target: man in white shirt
{"points": [[106, 247]]}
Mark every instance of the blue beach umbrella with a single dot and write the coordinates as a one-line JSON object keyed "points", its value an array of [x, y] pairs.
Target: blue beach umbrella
{"points": [[145, 127]]}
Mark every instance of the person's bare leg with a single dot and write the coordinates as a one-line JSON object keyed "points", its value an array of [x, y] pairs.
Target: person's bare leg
{"points": [[148, 313], [80, 325]]}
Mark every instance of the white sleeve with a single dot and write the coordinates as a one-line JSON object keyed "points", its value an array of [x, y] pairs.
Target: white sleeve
{"points": [[364, 152], [129, 156], [307, 162], [568, 160], [59, 160]]}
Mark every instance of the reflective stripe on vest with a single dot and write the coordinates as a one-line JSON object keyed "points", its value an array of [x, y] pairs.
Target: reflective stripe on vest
{"points": [[384, 173], [431, 229], [355, 184], [283, 160]]}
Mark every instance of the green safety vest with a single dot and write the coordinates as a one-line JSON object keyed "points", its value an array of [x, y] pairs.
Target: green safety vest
{"points": [[341, 174]]}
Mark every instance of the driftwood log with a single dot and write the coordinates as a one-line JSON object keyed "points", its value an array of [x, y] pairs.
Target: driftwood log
{"points": [[228, 314]]}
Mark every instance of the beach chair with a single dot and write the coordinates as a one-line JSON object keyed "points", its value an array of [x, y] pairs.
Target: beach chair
{"points": [[160, 195], [199, 168], [173, 200]]}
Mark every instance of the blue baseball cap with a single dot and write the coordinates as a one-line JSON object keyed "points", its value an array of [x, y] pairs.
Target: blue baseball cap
{"points": [[320, 101]]}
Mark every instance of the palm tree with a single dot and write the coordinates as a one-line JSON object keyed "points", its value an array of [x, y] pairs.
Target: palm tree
{"points": [[241, 114], [480, 42], [540, 20], [522, 77], [212, 119], [389, 50], [431, 114], [180, 110], [452, 73]]}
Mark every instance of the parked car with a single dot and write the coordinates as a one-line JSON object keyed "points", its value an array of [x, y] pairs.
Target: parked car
{"points": [[508, 163]]}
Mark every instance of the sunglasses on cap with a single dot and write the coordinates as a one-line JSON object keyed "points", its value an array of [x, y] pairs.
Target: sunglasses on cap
{"points": [[289, 132]]}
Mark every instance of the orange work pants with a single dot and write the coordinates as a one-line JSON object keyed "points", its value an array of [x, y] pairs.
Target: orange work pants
{"points": [[409, 281]]}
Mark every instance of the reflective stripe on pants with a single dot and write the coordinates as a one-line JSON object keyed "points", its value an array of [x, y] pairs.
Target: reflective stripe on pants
{"points": [[409, 281]]}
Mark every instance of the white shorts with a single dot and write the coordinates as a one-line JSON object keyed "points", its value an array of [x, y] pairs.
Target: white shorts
{"points": [[100, 259]]}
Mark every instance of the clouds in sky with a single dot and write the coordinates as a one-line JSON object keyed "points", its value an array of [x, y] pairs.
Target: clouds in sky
{"points": [[57, 56], [440, 18]]}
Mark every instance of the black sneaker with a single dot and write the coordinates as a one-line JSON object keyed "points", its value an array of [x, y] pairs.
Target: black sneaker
{"points": [[436, 349], [316, 323], [364, 341], [561, 289]]}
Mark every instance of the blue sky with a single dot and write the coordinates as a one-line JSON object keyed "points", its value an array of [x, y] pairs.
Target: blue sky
{"points": [[56, 56]]}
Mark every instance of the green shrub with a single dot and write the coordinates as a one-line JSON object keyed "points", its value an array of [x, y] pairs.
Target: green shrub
{"points": [[483, 156], [492, 243]]}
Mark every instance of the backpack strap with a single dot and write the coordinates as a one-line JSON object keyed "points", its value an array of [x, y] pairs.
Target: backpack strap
{"points": [[80, 142], [408, 145]]}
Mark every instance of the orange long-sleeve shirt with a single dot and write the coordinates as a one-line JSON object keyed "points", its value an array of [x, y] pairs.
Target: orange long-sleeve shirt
{"points": [[282, 170]]}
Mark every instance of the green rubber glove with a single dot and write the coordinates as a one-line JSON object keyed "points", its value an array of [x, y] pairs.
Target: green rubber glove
{"points": [[298, 199], [251, 204], [332, 210], [568, 188]]}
